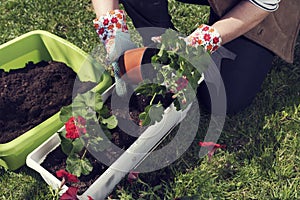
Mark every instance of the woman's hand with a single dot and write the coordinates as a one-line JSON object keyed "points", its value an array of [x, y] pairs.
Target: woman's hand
{"points": [[113, 33], [206, 36]]}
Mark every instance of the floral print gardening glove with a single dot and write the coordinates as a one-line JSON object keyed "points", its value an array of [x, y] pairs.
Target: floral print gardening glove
{"points": [[205, 36], [113, 33], [209, 38], [112, 27]]}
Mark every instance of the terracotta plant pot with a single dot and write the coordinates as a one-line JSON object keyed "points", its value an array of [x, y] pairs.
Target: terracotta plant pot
{"points": [[135, 64]]}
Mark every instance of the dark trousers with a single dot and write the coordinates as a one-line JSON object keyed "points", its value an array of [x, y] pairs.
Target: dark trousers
{"points": [[242, 77]]}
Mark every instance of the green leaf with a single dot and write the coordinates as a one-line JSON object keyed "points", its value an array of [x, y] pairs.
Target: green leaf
{"points": [[78, 166], [65, 113], [110, 122], [149, 89], [99, 144], [98, 139], [77, 146], [104, 112], [78, 105], [161, 51], [157, 188], [90, 116], [66, 144], [74, 165], [89, 99], [86, 166], [144, 117], [147, 121], [107, 134], [98, 102], [156, 112], [152, 114]]}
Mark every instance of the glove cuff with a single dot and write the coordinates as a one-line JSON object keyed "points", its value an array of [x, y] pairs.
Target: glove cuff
{"points": [[206, 36], [107, 26]]}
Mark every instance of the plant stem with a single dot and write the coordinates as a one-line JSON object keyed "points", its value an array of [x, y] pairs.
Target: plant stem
{"points": [[151, 102], [85, 151]]}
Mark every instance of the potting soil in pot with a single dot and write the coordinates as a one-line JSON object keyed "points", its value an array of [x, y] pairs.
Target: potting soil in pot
{"points": [[30, 95]]}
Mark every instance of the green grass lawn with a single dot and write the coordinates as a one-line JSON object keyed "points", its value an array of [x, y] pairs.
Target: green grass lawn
{"points": [[262, 158]]}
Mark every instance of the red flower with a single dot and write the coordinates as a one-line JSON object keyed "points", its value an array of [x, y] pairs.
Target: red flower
{"points": [[205, 28], [119, 26], [216, 40], [124, 28], [114, 20], [132, 176], [182, 82], [100, 31], [212, 148], [67, 176], [75, 127], [206, 37], [209, 47], [110, 27], [70, 194], [96, 26], [81, 121], [194, 41], [105, 22], [215, 48]]}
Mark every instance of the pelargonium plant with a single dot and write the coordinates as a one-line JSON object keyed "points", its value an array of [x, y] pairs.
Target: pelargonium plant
{"points": [[179, 69], [81, 133]]}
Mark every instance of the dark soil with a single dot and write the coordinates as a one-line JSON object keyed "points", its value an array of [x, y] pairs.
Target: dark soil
{"points": [[56, 160], [30, 95]]}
